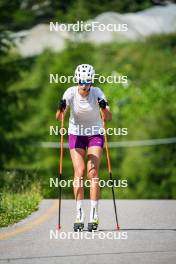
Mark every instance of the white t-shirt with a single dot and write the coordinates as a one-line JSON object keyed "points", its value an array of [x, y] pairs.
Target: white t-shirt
{"points": [[85, 116]]}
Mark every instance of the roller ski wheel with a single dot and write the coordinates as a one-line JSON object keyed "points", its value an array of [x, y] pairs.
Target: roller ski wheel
{"points": [[93, 226], [78, 227]]}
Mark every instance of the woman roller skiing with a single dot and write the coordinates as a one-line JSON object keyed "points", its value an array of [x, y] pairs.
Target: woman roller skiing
{"points": [[85, 138]]}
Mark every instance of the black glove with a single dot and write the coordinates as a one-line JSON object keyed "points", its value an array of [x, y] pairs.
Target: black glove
{"points": [[62, 105], [102, 103]]}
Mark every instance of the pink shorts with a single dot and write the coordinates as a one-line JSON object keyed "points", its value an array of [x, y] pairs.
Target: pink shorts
{"points": [[84, 142]]}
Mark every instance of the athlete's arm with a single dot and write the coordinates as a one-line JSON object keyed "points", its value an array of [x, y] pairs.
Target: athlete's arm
{"points": [[105, 109], [62, 107], [107, 114], [64, 103], [58, 113]]}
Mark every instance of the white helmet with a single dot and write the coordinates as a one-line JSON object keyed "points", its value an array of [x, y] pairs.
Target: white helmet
{"points": [[84, 72]]}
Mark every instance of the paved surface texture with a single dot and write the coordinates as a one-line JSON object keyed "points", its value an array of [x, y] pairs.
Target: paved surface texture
{"points": [[147, 235]]}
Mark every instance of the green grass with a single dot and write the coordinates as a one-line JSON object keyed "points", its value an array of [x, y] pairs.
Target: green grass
{"points": [[16, 206]]}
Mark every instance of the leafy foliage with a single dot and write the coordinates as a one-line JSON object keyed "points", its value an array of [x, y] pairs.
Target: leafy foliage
{"points": [[17, 15]]}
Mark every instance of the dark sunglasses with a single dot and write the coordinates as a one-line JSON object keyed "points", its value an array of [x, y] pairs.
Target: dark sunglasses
{"points": [[84, 82]]}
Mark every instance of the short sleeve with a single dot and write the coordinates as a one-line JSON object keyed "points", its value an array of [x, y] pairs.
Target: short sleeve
{"points": [[68, 96], [101, 95]]}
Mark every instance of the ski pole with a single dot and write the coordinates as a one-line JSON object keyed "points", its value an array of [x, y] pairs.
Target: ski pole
{"points": [[60, 169], [109, 169]]}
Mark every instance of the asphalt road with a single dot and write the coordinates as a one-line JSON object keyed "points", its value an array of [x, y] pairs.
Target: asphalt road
{"points": [[147, 235]]}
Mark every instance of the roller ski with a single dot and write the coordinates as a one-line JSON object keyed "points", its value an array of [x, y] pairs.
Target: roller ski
{"points": [[93, 226], [94, 221], [79, 223]]}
